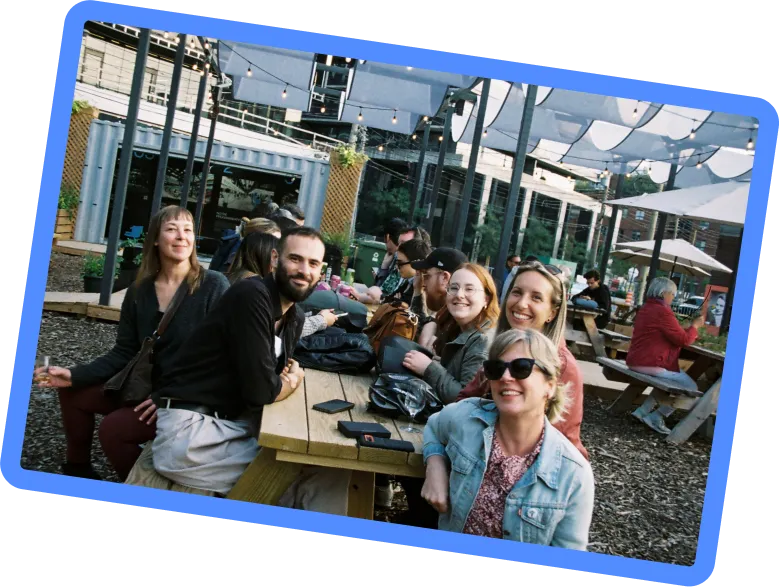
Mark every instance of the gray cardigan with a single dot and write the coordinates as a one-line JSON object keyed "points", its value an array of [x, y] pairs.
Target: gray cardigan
{"points": [[460, 361]]}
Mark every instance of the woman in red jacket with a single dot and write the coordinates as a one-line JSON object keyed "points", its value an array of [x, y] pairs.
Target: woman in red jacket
{"points": [[657, 340], [535, 300]]}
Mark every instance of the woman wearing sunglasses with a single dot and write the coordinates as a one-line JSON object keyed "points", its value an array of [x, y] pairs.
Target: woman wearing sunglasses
{"points": [[513, 474], [535, 300]]}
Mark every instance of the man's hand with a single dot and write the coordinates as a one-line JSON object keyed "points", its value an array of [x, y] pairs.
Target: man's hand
{"points": [[329, 316], [149, 411]]}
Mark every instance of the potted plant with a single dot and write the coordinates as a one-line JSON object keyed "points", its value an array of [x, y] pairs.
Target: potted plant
{"points": [[337, 248], [67, 205], [92, 272]]}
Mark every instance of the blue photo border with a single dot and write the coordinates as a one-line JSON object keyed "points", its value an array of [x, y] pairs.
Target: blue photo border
{"points": [[193, 504]]}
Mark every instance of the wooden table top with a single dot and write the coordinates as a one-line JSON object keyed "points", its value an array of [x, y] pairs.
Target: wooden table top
{"points": [[304, 435], [580, 312], [694, 348]]}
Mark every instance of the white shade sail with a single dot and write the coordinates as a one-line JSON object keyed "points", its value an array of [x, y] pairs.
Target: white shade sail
{"points": [[677, 249], [681, 266], [725, 203]]}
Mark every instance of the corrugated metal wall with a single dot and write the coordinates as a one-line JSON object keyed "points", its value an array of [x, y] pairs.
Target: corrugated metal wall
{"points": [[100, 161]]}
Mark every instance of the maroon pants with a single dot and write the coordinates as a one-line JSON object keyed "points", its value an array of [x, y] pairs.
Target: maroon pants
{"points": [[121, 432]]}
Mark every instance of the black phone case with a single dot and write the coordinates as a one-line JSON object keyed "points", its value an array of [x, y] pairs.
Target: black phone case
{"points": [[385, 443], [357, 429], [333, 406]]}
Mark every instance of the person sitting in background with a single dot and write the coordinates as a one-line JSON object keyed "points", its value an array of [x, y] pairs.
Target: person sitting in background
{"points": [[430, 290], [228, 248], [297, 213], [596, 297], [258, 255], [514, 475], [655, 346], [511, 263], [284, 219], [408, 252]]}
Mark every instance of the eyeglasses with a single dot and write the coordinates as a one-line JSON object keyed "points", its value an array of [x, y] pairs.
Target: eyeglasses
{"points": [[518, 368], [402, 263], [468, 290]]}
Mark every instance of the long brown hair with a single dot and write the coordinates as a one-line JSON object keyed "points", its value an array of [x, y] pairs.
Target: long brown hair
{"points": [[448, 327], [555, 329], [151, 263]]}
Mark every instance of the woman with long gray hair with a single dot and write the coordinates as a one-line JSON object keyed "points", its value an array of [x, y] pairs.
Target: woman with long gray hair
{"points": [[657, 340]]}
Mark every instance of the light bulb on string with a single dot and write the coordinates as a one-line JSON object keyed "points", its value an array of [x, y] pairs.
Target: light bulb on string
{"points": [[441, 139], [698, 165], [323, 109], [395, 117], [750, 144], [628, 174], [413, 137], [692, 132], [208, 65], [359, 116], [207, 46], [194, 67], [191, 41], [635, 112], [362, 61], [484, 134], [165, 35], [249, 72], [348, 59], [284, 93], [409, 68], [381, 147], [425, 118]]}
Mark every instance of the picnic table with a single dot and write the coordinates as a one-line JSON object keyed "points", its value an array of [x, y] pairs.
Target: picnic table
{"points": [[622, 307], [615, 342], [590, 335], [292, 435], [700, 405]]}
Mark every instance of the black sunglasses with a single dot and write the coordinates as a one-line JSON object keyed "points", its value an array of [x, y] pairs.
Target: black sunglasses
{"points": [[519, 368], [403, 263], [553, 269]]}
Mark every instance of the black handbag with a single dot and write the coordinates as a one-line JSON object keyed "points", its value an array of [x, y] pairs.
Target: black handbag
{"points": [[336, 351], [357, 313], [133, 384], [392, 351], [385, 396]]}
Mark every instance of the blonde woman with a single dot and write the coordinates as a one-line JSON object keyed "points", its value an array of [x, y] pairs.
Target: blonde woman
{"points": [[500, 468]]}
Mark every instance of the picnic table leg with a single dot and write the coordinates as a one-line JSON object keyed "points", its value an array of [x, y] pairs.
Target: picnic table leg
{"points": [[703, 408], [596, 339], [265, 480], [699, 367], [626, 398], [361, 491]]}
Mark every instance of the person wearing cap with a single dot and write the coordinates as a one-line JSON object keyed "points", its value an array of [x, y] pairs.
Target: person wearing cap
{"points": [[430, 290]]}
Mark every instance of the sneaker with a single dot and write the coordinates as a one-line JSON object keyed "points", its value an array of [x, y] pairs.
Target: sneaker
{"points": [[655, 422], [383, 496], [639, 413]]}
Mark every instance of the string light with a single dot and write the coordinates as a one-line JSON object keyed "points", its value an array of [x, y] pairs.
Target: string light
{"points": [[414, 137], [249, 72], [698, 165], [628, 174], [208, 65], [750, 144], [194, 67], [359, 116], [441, 139], [362, 61], [635, 110], [348, 59], [425, 118], [381, 147], [284, 93], [323, 109], [165, 35], [246, 111], [692, 132], [484, 134], [409, 68], [395, 117], [207, 46]]}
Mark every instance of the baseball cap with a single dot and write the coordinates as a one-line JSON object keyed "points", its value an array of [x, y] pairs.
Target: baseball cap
{"points": [[442, 258]]}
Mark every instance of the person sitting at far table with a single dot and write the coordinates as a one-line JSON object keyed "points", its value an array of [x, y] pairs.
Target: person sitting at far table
{"points": [[596, 297]]}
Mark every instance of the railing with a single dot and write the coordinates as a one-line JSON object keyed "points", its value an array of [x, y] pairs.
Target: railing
{"points": [[156, 89]]}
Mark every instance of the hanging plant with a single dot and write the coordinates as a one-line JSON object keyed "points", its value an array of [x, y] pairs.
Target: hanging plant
{"points": [[68, 200], [78, 106], [347, 156]]}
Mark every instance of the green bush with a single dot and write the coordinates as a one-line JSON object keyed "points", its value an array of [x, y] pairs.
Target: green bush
{"points": [[94, 266], [68, 200], [340, 240]]}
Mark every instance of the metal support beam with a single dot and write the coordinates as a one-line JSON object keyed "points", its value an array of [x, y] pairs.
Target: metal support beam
{"points": [[125, 162], [201, 96], [439, 169], [607, 243], [725, 324], [662, 219], [562, 218], [419, 176], [465, 202], [201, 194], [516, 179], [167, 131]]}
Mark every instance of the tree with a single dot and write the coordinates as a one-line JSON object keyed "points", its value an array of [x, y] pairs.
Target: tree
{"points": [[638, 184], [538, 239], [489, 233], [379, 206]]}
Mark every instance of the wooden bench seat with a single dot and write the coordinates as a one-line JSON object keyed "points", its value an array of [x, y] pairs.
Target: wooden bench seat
{"points": [[615, 370]]}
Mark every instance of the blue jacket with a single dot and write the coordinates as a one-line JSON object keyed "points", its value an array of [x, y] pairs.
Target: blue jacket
{"points": [[551, 504]]}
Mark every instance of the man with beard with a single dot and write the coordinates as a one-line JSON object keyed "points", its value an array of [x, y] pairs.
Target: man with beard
{"points": [[237, 361]]}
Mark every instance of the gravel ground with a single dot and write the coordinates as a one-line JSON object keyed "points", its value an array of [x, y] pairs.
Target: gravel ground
{"points": [[65, 273], [649, 494]]}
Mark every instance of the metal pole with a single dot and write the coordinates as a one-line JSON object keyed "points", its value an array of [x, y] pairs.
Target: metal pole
{"points": [[604, 260], [462, 217], [125, 162], [439, 169], [167, 131], [660, 232], [725, 324], [201, 95], [419, 175], [644, 270], [516, 179], [201, 194], [598, 223]]}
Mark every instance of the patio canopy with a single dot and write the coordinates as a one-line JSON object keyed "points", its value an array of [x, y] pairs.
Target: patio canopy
{"points": [[677, 251], [681, 266], [725, 203]]}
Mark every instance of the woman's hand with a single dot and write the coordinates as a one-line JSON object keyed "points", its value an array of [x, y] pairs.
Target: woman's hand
{"points": [[58, 376], [416, 362], [435, 491], [698, 322], [149, 411], [329, 316]]}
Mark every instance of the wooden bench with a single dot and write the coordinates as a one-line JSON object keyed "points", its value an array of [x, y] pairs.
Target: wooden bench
{"points": [[615, 342]]}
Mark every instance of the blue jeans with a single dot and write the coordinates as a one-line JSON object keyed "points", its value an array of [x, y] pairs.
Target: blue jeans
{"points": [[678, 378], [589, 304]]}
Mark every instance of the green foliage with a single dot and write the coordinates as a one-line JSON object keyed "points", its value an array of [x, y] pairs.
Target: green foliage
{"points": [[342, 240], [133, 242], [620, 268], [638, 184], [78, 106], [538, 241], [573, 250], [711, 342], [94, 266], [379, 206], [489, 233], [68, 200], [346, 156]]}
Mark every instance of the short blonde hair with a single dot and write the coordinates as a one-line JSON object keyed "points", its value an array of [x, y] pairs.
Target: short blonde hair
{"points": [[547, 358]]}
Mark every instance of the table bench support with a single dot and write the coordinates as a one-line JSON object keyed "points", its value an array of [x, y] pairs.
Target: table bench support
{"points": [[265, 480], [361, 491], [704, 407], [627, 397]]}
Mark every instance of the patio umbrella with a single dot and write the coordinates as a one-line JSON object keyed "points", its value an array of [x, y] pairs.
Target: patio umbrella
{"points": [[678, 252], [725, 203], [644, 259]]}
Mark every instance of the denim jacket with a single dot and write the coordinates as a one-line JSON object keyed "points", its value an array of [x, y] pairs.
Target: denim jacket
{"points": [[551, 504]]}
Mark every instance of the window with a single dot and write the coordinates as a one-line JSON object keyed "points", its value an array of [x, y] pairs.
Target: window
{"points": [[701, 245], [92, 67], [636, 236], [704, 225], [639, 214]]}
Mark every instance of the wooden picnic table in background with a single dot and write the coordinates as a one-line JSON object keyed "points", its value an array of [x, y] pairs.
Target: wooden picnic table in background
{"points": [[590, 335], [292, 434]]}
